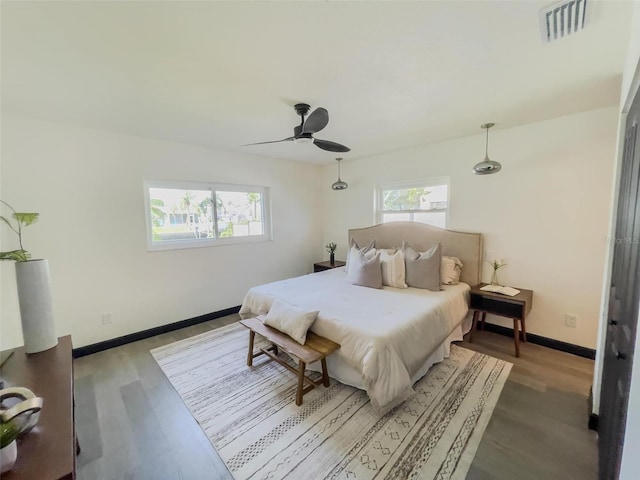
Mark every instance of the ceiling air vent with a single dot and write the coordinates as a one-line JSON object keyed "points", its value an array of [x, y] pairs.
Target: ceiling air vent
{"points": [[562, 19]]}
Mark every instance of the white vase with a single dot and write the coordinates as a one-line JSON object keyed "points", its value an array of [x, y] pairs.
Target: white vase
{"points": [[8, 456], [36, 306]]}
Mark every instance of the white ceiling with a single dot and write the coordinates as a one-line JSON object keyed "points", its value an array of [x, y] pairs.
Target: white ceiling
{"points": [[222, 74]]}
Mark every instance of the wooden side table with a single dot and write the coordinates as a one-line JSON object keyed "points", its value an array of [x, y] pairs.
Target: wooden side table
{"points": [[516, 307], [48, 452], [322, 266]]}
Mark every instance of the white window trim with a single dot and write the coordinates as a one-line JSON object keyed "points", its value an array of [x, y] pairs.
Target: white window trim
{"points": [[425, 182], [207, 242]]}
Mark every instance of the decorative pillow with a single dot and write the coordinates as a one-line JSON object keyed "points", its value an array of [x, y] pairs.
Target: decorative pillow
{"points": [[291, 320], [392, 266], [365, 270], [423, 268], [450, 270], [369, 251]]}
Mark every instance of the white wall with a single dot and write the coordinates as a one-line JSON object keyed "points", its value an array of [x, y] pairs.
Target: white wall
{"points": [[546, 212], [88, 187]]}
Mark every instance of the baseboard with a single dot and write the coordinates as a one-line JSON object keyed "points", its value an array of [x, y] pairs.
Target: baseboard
{"points": [[593, 417], [593, 422], [545, 342], [152, 332]]}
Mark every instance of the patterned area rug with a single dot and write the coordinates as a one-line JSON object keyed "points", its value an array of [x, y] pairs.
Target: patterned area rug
{"points": [[251, 418]]}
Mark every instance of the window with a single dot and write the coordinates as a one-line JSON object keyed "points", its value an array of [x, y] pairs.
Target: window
{"points": [[425, 201], [185, 215]]}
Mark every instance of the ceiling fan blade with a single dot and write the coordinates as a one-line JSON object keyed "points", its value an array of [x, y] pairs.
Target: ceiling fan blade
{"points": [[316, 121], [290, 139], [330, 146]]}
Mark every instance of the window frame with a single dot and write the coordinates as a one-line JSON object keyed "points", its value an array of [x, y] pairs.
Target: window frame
{"points": [[213, 187], [420, 183]]}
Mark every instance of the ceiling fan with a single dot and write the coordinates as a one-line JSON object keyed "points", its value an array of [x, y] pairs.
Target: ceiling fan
{"points": [[303, 133]]}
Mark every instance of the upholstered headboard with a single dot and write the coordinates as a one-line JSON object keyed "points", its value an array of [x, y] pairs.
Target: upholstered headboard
{"points": [[466, 246]]}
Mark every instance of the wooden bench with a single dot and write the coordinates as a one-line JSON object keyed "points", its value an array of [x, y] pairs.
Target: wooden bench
{"points": [[315, 348]]}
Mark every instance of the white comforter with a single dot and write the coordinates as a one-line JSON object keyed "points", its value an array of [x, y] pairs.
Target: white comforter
{"points": [[385, 334]]}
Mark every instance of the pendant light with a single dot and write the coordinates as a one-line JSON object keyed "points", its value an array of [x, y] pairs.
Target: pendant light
{"points": [[487, 167], [339, 185]]}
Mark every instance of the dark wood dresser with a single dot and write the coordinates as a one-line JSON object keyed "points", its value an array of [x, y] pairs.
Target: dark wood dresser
{"points": [[48, 452]]}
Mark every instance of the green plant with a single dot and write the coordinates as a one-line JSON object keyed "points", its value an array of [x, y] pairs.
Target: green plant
{"points": [[331, 247], [22, 220], [8, 433], [496, 264]]}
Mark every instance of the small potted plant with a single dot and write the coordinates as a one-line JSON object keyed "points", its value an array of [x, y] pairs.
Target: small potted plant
{"points": [[331, 248], [34, 290], [8, 448], [496, 264]]}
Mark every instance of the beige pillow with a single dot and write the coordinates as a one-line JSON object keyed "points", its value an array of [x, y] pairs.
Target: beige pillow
{"points": [[365, 271], [354, 250], [450, 270], [392, 266], [291, 320], [423, 268]]}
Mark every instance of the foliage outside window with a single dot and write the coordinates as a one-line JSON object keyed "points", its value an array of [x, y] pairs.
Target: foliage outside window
{"points": [[425, 201], [181, 215]]}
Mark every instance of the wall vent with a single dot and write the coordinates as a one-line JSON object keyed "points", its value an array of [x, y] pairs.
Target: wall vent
{"points": [[562, 19]]}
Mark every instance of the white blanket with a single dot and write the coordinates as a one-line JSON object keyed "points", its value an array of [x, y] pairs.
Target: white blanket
{"points": [[385, 334]]}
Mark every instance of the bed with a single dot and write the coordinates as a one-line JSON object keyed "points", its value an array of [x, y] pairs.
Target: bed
{"points": [[389, 337]]}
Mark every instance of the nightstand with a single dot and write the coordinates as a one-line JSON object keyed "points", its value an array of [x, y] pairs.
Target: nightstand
{"points": [[516, 307], [322, 266]]}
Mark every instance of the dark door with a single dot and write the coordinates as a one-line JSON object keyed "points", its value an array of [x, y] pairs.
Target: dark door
{"points": [[623, 306]]}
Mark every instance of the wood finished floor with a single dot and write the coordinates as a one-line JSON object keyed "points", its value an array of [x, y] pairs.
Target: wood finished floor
{"points": [[133, 425]]}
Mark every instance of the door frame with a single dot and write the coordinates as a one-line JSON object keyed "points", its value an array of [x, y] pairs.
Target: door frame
{"points": [[634, 89], [631, 442]]}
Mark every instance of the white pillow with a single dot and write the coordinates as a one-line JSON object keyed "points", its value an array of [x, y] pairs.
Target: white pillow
{"points": [[450, 270], [369, 251], [365, 271], [291, 320], [392, 263]]}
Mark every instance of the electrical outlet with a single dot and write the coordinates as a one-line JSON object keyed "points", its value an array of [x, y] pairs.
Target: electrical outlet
{"points": [[571, 320], [106, 318]]}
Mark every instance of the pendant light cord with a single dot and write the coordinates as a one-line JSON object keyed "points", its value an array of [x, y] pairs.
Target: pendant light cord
{"points": [[487, 126], [486, 147]]}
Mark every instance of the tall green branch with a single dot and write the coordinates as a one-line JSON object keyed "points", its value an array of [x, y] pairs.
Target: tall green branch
{"points": [[22, 220]]}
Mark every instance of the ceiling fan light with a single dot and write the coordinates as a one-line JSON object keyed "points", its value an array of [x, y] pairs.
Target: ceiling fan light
{"points": [[487, 167], [303, 140]]}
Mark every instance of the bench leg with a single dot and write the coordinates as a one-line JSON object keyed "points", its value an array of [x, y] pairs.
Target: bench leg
{"points": [[252, 335], [516, 336], [524, 331], [301, 367], [325, 374]]}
